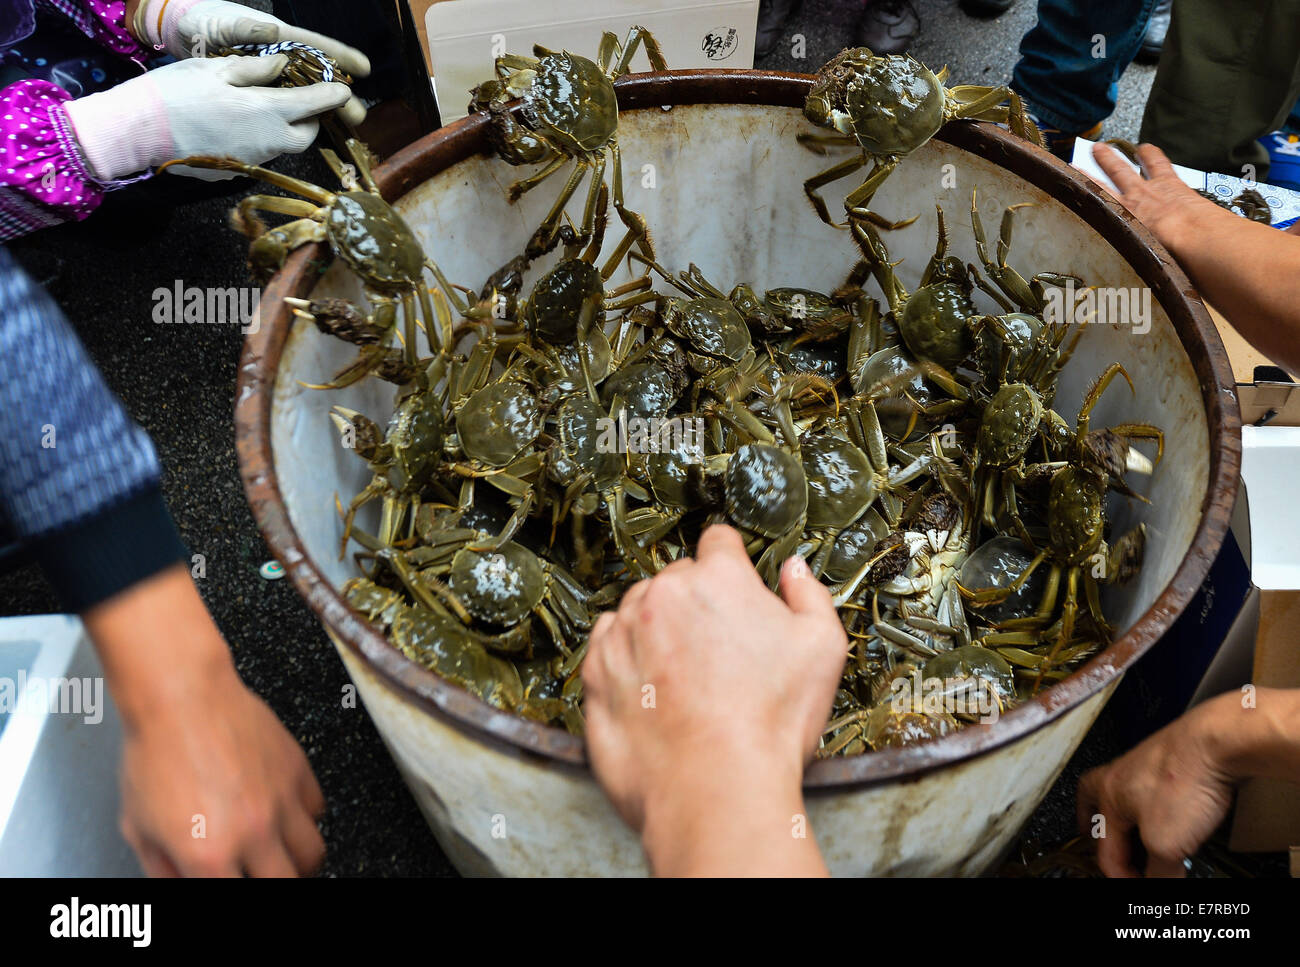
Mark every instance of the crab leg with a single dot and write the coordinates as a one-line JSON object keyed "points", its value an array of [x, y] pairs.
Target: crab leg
{"points": [[635, 37], [593, 194], [633, 222], [834, 173], [987, 107], [298, 207], [523, 185], [1094, 394], [453, 295], [609, 47], [296, 185], [816, 142], [861, 196], [1141, 431], [1006, 278], [544, 234]]}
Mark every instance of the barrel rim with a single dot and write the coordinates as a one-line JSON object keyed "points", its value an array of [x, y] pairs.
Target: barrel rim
{"points": [[512, 735]]}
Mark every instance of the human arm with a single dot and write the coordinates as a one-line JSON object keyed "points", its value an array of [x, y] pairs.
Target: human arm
{"points": [[58, 156], [212, 784], [1173, 790], [705, 696], [1248, 271], [79, 486]]}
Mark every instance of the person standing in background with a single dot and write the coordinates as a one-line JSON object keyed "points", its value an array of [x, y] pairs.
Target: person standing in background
{"points": [[885, 26], [1229, 74]]}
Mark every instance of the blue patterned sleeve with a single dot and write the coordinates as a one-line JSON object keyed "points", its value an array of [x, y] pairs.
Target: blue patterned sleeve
{"points": [[79, 480]]}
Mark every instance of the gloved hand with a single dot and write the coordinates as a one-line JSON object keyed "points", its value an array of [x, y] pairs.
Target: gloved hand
{"points": [[192, 28], [218, 107]]}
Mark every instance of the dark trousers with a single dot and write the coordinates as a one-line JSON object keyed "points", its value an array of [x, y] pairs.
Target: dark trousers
{"points": [[1229, 73]]}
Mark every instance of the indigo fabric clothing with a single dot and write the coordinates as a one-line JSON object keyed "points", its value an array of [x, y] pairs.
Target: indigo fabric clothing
{"points": [[43, 178], [79, 481], [17, 21], [1070, 62]]}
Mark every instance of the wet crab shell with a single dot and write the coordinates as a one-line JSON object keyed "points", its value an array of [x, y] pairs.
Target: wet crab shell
{"points": [[565, 301], [891, 364], [973, 661], [578, 423], [376, 243], [676, 476], [997, 563], [895, 104], [416, 433], [1074, 510], [496, 422], [854, 546], [1020, 332], [647, 389], [933, 324], [499, 587], [808, 310], [595, 349], [839, 481], [1011, 419], [572, 101], [712, 326], [888, 729], [454, 652], [766, 490], [820, 359]]}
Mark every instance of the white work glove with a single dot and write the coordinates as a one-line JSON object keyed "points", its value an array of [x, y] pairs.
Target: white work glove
{"points": [[193, 28], [211, 107]]}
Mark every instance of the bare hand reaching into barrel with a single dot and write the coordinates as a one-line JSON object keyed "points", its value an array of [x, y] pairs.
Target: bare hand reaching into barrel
{"points": [[705, 695], [1174, 789]]}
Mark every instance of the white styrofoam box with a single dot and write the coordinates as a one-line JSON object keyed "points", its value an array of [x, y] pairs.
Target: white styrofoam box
{"points": [[58, 764], [1270, 465], [464, 37]]}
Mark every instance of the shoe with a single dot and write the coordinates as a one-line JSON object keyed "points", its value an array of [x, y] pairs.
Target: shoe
{"points": [[1154, 39], [888, 26], [1059, 142], [1283, 159], [987, 8], [773, 15]]}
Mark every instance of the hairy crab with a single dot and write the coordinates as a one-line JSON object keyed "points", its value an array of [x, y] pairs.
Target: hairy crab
{"points": [[887, 107], [569, 112]]}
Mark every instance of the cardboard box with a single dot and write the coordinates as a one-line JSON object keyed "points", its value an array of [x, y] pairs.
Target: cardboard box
{"points": [[461, 39], [1267, 816], [1268, 395]]}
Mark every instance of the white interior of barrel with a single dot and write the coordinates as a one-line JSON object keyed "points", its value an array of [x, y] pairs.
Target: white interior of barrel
{"points": [[725, 192]]}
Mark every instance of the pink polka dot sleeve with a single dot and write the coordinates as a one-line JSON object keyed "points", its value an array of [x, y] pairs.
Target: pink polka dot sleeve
{"points": [[108, 28], [43, 178]]}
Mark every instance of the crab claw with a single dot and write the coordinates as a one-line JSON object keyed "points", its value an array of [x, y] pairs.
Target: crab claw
{"points": [[1138, 462], [356, 431]]}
